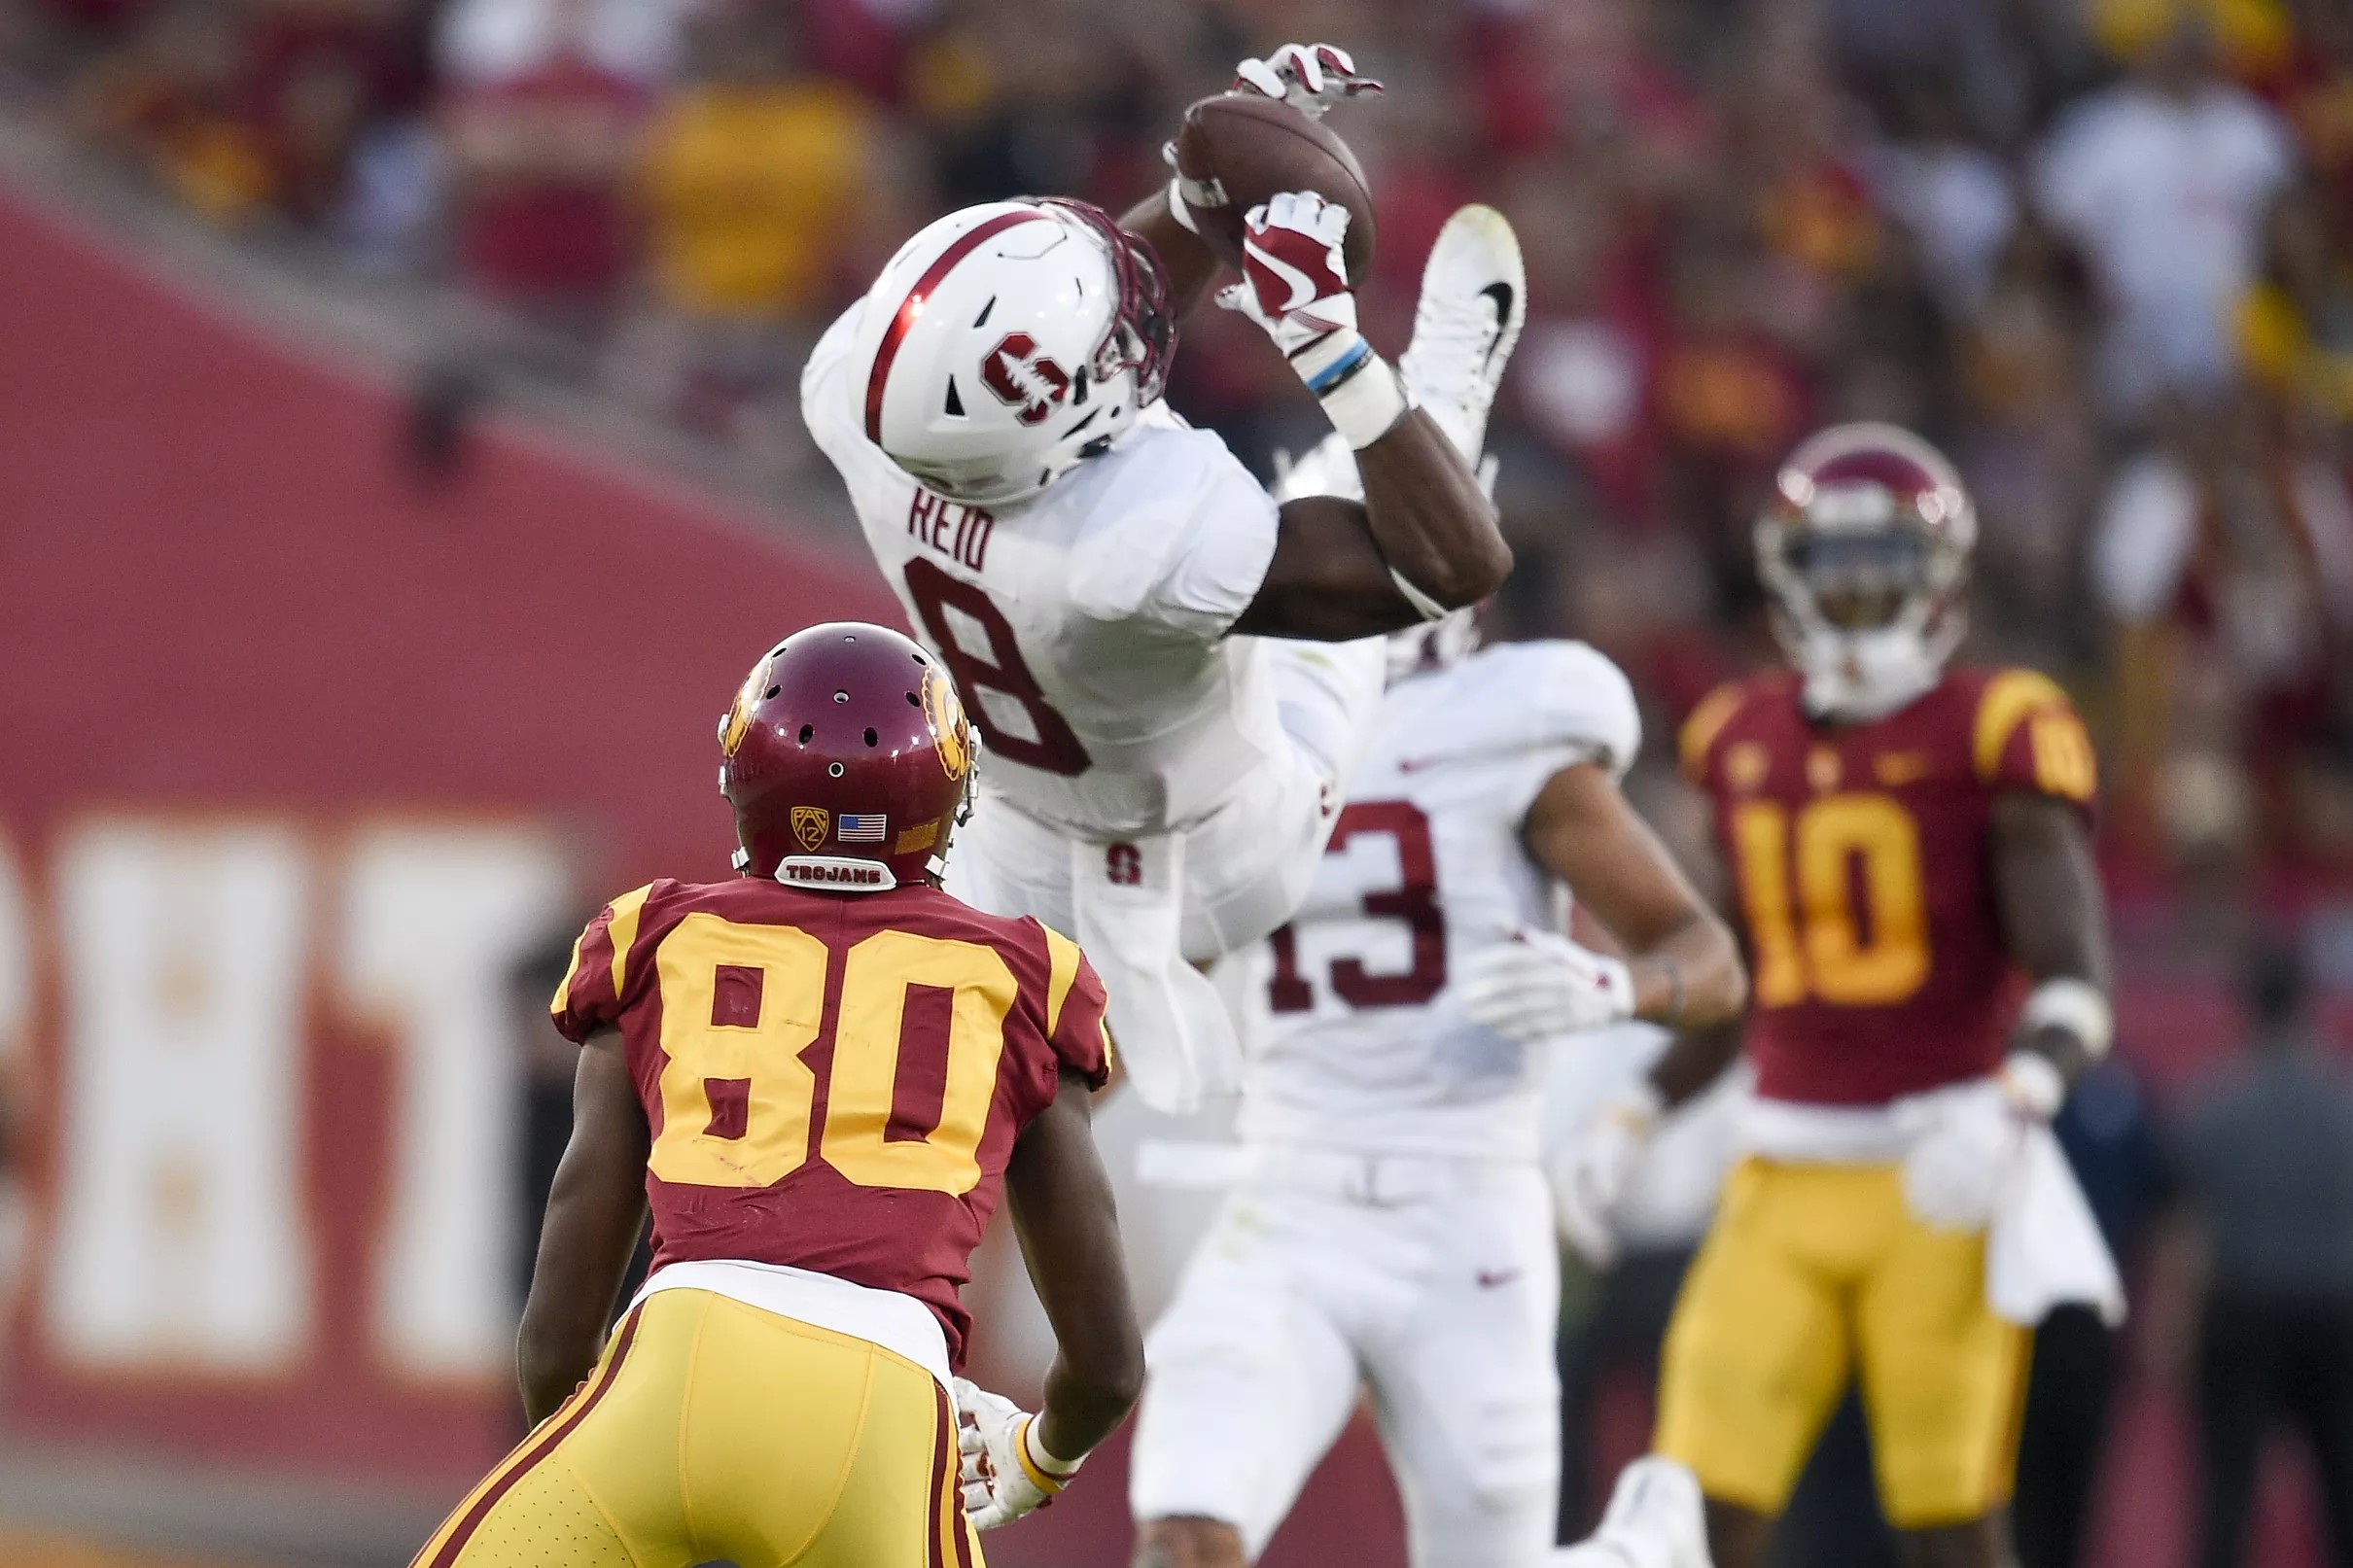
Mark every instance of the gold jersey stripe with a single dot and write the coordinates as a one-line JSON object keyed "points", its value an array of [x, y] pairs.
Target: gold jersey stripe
{"points": [[563, 987], [624, 933], [1061, 972], [2010, 699], [1706, 723]]}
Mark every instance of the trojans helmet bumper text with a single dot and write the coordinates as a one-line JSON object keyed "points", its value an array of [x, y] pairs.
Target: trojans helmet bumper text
{"points": [[1006, 341], [1864, 552], [846, 757]]}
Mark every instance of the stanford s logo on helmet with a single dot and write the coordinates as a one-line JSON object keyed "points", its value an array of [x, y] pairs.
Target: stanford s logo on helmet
{"points": [[1006, 343], [1864, 552], [846, 758], [1025, 378]]}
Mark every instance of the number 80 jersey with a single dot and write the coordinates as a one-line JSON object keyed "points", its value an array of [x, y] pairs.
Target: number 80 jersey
{"points": [[1353, 1034], [1863, 864], [833, 1083]]}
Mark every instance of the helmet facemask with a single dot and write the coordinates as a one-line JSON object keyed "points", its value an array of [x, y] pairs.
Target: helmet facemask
{"points": [[1866, 597]]}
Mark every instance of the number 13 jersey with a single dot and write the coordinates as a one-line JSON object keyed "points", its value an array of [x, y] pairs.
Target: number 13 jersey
{"points": [[1085, 627], [1354, 1038], [833, 1083], [1862, 859]]}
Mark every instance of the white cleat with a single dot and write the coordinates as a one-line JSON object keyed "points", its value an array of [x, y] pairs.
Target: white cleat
{"points": [[1474, 301], [1656, 1519]]}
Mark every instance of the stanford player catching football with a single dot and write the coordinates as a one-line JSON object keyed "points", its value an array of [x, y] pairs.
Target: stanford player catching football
{"points": [[1909, 850], [1175, 674], [821, 1076]]}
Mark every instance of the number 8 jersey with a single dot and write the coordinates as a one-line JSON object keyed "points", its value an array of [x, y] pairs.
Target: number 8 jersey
{"points": [[1876, 963], [833, 1083], [1355, 1041]]}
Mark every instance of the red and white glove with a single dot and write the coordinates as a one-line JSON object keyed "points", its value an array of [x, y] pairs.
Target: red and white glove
{"points": [[1590, 1173], [1003, 1471], [1969, 1141], [1538, 985], [1294, 284], [1309, 77]]}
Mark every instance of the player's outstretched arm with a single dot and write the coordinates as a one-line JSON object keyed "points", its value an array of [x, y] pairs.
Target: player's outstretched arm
{"points": [[2055, 919], [1425, 539], [1068, 1226], [1684, 966], [595, 1214]]}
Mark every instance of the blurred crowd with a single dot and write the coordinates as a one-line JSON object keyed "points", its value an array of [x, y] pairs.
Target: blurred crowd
{"points": [[2102, 250]]}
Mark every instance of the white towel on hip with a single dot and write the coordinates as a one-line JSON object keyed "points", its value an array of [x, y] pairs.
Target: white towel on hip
{"points": [[2045, 1249], [1169, 1024]]}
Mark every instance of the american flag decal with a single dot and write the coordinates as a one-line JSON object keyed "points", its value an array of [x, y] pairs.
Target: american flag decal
{"points": [[869, 828]]}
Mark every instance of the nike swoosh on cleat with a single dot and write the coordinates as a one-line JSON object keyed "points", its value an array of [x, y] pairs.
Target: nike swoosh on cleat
{"points": [[1499, 295]]}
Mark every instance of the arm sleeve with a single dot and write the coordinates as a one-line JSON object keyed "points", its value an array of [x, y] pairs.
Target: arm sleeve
{"points": [[2030, 737], [603, 974], [1076, 1001]]}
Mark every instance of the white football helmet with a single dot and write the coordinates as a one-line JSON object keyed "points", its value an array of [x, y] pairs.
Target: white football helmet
{"points": [[1006, 343]]}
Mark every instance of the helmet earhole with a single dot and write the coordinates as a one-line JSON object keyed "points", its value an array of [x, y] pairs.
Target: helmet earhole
{"points": [[834, 771], [871, 738]]}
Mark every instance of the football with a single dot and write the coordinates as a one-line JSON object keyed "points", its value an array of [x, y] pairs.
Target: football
{"points": [[1253, 148]]}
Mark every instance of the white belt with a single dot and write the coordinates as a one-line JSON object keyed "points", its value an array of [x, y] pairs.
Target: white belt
{"points": [[898, 1323], [1376, 1179], [1822, 1134]]}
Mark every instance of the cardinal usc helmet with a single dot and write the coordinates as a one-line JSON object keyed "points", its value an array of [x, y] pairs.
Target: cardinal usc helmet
{"points": [[1864, 551], [1006, 343], [846, 757]]}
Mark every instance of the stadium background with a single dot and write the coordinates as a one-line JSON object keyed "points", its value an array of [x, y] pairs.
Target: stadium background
{"points": [[397, 466]]}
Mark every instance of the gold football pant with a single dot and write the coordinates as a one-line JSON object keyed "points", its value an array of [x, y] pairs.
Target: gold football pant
{"points": [[1816, 1274], [712, 1429]]}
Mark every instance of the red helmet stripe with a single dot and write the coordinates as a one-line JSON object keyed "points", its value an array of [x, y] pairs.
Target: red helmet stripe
{"points": [[913, 307]]}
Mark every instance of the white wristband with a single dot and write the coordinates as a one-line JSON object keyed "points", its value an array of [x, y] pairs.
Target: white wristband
{"points": [[1366, 402], [1033, 1449], [2077, 1006]]}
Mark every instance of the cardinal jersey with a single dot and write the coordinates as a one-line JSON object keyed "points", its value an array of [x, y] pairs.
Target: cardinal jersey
{"points": [[1086, 626], [1861, 855], [1355, 1041], [833, 1083]]}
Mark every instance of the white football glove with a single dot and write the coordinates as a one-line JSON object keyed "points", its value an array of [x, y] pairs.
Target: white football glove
{"points": [[1591, 1172], [1538, 984], [1003, 1471], [1309, 77], [1294, 271], [1969, 1140]]}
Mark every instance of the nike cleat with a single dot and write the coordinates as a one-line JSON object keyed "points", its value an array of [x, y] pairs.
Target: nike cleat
{"points": [[1474, 301]]}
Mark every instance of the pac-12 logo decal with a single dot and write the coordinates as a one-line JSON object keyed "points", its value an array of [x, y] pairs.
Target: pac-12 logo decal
{"points": [[810, 825], [1022, 376]]}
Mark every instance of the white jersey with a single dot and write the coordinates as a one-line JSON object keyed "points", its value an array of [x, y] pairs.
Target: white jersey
{"points": [[1353, 1037], [1085, 627]]}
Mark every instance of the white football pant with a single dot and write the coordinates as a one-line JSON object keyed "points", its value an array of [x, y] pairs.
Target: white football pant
{"points": [[1431, 1284]]}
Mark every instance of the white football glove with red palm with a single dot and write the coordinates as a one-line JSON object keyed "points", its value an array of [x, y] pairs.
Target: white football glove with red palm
{"points": [[1309, 77], [1294, 284], [1003, 1471]]}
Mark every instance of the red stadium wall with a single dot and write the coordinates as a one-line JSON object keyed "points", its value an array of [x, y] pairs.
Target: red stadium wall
{"points": [[245, 651]]}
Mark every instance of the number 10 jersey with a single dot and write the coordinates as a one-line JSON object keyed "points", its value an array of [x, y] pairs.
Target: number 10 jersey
{"points": [[1354, 1038], [1862, 859], [833, 1082]]}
